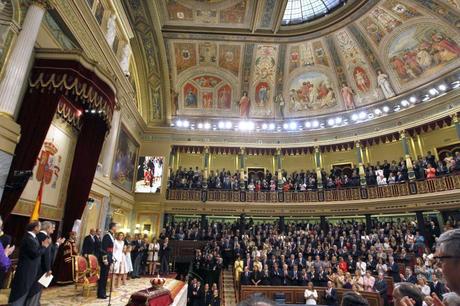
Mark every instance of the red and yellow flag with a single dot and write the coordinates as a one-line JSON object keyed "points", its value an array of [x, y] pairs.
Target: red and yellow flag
{"points": [[38, 203]]}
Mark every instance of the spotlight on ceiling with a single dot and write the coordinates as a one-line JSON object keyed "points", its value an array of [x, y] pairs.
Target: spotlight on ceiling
{"points": [[354, 117], [362, 115], [179, 123], [338, 120], [455, 84], [271, 126], [293, 125], [93, 111], [285, 126], [185, 124], [221, 124], [377, 111], [242, 125], [251, 125], [264, 126], [404, 103], [228, 125], [397, 108], [433, 91], [385, 109], [308, 124], [330, 122], [207, 125], [413, 99], [315, 124], [200, 125], [172, 124], [442, 87]]}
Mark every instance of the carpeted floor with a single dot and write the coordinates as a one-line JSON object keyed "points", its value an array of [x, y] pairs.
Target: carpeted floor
{"points": [[67, 295]]}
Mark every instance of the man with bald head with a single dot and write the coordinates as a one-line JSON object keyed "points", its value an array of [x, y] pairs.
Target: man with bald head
{"points": [[89, 244]]}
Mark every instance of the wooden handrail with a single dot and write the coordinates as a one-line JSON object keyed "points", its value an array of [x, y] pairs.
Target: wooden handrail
{"points": [[438, 184]]}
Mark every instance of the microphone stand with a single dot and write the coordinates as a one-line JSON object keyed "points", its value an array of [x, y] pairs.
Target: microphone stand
{"points": [[111, 280]]}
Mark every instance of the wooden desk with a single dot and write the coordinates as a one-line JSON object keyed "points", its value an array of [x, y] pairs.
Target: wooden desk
{"points": [[295, 294]]}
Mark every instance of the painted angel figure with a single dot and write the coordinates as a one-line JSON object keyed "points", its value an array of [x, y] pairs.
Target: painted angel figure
{"points": [[244, 104]]}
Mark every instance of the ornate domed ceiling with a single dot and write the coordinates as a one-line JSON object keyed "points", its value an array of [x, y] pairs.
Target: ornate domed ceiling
{"points": [[391, 48]]}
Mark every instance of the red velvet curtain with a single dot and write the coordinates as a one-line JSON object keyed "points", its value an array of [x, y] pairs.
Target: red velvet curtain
{"points": [[35, 118], [87, 150]]}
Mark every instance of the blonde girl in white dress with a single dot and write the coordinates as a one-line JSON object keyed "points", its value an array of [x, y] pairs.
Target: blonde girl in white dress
{"points": [[119, 265]]}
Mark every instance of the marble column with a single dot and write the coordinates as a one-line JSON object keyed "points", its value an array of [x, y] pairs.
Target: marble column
{"points": [[368, 223], [108, 152], [279, 168], [359, 155], [172, 157], [13, 80], [205, 167], [16, 67], [241, 163], [407, 157], [318, 168]]}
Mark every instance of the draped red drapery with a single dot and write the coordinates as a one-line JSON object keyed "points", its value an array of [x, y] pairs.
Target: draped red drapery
{"points": [[50, 82]]}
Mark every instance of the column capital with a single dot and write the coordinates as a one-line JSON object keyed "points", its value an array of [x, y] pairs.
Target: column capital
{"points": [[454, 117], [358, 143], [316, 149], [242, 150], [44, 4], [206, 149], [278, 151], [402, 133]]}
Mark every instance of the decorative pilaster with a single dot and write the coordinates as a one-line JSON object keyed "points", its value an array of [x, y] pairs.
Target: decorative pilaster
{"points": [[16, 68], [205, 167], [241, 166], [109, 147], [279, 168], [172, 157], [457, 124], [318, 167], [406, 151], [359, 155]]}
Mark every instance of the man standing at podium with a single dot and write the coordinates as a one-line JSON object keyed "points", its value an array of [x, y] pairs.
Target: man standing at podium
{"points": [[105, 260]]}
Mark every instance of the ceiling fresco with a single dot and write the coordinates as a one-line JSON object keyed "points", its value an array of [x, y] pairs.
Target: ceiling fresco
{"points": [[393, 48]]}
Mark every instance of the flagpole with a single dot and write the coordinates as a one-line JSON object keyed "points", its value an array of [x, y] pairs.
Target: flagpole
{"points": [[38, 202]]}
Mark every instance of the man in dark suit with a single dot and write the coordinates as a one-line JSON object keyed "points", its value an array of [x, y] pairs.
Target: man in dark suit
{"points": [[197, 295], [381, 287], [246, 277], [30, 254], [330, 295], [165, 252], [89, 244], [409, 277], [137, 254], [276, 276], [437, 287], [97, 242], [393, 270], [46, 260], [105, 260]]}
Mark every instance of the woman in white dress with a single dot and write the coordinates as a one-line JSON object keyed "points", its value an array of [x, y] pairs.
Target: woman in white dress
{"points": [[129, 263], [156, 257], [311, 296], [119, 265]]}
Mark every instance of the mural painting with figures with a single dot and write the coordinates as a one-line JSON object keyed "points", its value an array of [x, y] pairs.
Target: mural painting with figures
{"points": [[125, 160], [421, 51], [311, 91], [149, 174]]}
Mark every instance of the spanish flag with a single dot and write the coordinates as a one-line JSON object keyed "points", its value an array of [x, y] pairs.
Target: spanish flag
{"points": [[38, 203]]}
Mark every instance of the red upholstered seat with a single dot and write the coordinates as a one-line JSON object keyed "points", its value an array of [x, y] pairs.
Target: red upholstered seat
{"points": [[83, 275], [93, 266]]}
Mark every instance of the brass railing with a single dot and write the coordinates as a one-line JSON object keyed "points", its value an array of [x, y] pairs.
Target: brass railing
{"points": [[438, 184]]}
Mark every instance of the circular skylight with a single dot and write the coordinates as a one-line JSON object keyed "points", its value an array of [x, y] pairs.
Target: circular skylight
{"points": [[300, 11]]}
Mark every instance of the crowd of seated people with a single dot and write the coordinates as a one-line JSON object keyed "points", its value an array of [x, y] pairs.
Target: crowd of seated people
{"points": [[345, 255], [379, 174]]}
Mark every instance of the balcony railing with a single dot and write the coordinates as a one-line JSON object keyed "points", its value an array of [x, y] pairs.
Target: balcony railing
{"points": [[438, 184]]}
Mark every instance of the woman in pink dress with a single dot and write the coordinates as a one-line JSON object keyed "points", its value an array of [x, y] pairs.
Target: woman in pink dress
{"points": [[368, 281]]}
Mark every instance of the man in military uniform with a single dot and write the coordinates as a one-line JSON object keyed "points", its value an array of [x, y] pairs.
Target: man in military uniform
{"points": [[105, 260]]}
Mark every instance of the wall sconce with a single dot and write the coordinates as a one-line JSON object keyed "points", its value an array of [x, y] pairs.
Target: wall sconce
{"points": [[90, 203]]}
